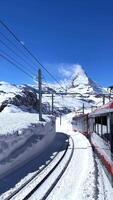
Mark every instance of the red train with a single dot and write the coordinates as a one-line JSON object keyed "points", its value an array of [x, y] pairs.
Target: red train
{"points": [[98, 127]]}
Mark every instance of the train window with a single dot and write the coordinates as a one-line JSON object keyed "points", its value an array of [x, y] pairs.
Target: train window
{"points": [[101, 125], [104, 125], [98, 125], [105, 131], [98, 120], [104, 120]]}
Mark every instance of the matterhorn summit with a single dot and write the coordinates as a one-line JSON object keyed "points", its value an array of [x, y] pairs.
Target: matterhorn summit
{"points": [[81, 83], [79, 89], [79, 76]]}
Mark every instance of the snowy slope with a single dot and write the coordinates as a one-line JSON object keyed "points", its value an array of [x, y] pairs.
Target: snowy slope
{"points": [[81, 83], [79, 86], [17, 98], [82, 88], [22, 136], [21, 133]]}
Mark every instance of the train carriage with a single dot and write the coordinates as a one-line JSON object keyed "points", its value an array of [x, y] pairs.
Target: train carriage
{"points": [[80, 123], [98, 126], [101, 132]]}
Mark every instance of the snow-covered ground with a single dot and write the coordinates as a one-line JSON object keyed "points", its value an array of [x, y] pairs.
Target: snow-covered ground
{"points": [[21, 137], [78, 181]]}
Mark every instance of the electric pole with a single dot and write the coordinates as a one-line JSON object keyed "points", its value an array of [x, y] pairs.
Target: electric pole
{"points": [[83, 108], [40, 93], [103, 99], [52, 103], [109, 96]]}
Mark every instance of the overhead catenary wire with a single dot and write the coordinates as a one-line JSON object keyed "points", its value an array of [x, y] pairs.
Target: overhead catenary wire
{"points": [[4, 44], [14, 45], [14, 60], [15, 65], [29, 52]]}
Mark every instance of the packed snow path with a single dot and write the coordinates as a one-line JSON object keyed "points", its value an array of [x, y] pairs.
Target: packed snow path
{"points": [[80, 180]]}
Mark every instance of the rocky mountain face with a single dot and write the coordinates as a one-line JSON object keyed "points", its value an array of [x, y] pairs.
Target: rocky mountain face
{"points": [[18, 98], [81, 83]]}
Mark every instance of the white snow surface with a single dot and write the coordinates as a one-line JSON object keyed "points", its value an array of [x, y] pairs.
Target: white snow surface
{"points": [[12, 122], [23, 132], [78, 181], [8, 90]]}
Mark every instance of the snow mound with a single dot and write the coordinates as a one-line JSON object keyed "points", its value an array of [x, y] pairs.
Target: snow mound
{"points": [[22, 136]]}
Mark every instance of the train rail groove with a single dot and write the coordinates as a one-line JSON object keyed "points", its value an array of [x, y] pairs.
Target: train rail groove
{"points": [[14, 194], [60, 175], [34, 185]]}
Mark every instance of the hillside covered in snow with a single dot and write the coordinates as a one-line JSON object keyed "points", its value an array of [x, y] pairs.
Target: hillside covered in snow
{"points": [[20, 129], [79, 88]]}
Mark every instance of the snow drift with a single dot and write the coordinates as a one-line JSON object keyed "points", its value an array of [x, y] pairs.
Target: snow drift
{"points": [[23, 137]]}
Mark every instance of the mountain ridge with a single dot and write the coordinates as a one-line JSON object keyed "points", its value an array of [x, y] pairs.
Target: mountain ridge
{"points": [[82, 90]]}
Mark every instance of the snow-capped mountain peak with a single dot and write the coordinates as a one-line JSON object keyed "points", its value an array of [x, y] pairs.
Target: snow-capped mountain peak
{"points": [[79, 71], [79, 76], [82, 83]]}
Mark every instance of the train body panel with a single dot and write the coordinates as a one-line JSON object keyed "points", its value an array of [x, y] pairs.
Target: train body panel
{"points": [[80, 123]]}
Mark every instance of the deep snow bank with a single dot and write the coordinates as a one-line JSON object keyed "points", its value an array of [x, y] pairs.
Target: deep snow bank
{"points": [[22, 137]]}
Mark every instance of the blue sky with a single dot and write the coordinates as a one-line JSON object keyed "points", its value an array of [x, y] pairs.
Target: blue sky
{"points": [[62, 31]]}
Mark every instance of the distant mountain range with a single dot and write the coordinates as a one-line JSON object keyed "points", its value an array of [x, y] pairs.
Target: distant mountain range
{"points": [[78, 89]]}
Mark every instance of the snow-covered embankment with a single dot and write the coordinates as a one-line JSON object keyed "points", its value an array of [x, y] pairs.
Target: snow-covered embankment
{"points": [[22, 137]]}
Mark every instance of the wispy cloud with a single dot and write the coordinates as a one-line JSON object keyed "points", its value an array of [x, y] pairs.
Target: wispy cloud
{"points": [[63, 72], [69, 70]]}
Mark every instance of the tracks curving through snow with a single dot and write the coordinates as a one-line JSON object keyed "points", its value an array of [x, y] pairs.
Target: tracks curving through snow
{"points": [[40, 185]]}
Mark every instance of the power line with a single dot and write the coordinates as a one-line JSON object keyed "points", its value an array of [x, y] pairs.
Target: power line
{"points": [[14, 60], [23, 54], [15, 65], [30, 53], [3, 43]]}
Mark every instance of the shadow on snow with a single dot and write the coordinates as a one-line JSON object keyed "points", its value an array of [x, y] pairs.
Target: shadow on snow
{"points": [[59, 143]]}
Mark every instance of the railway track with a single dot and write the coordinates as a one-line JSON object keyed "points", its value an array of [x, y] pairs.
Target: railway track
{"points": [[41, 180]]}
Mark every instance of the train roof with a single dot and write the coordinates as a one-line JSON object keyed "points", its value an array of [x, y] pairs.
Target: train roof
{"points": [[80, 115], [106, 108]]}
